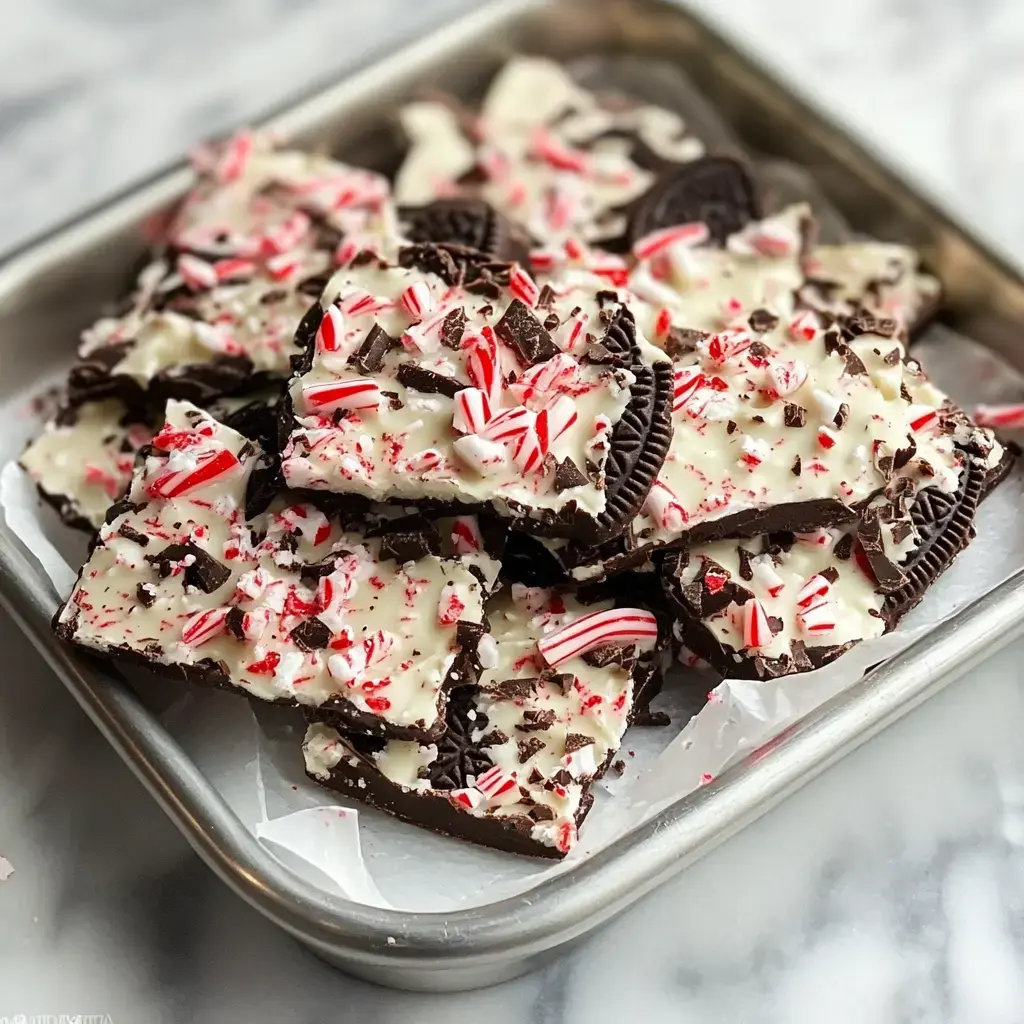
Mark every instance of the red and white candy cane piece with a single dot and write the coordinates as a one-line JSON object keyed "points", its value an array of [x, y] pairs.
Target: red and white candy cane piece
{"points": [[362, 303], [287, 235], [804, 326], [726, 345], [254, 624], [616, 625], [466, 799], [816, 589], [498, 786], [765, 575], [422, 462], [827, 404], [922, 417], [417, 300], [234, 157], [554, 420], [349, 665], [665, 508], [466, 536], [687, 381], [197, 273], [756, 630], [209, 468], [508, 425], [553, 151], [483, 364], [203, 626], [546, 261], [358, 394], [787, 377], [332, 593], [581, 763], [171, 440], [331, 334], [658, 241], [306, 520], [283, 267], [472, 411], [557, 373], [826, 439], [754, 451], [1007, 417], [523, 287], [816, 620], [528, 453], [233, 269], [572, 333], [450, 606], [486, 457]]}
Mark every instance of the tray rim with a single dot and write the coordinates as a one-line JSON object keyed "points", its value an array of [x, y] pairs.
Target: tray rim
{"points": [[558, 910]]}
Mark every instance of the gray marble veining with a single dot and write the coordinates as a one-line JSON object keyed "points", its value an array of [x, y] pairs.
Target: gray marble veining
{"points": [[891, 889]]}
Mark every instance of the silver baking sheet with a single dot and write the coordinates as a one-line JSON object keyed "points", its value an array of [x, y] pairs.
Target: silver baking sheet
{"points": [[50, 290]]}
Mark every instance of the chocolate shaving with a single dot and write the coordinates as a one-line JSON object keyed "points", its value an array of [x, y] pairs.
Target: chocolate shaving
{"points": [[145, 596], [842, 415], [512, 689], [410, 539], [608, 654], [495, 738], [746, 570], [682, 340], [233, 623], [887, 574], [577, 741], [844, 547], [762, 321], [797, 468]]}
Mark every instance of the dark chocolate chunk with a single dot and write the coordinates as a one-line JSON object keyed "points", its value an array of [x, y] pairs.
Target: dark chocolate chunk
{"points": [[312, 572], [204, 572], [866, 323], [130, 533], [746, 570], [716, 190], [854, 364], [608, 654], [892, 357], [145, 596], [536, 720], [794, 415], [762, 321], [797, 467], [311, 635], [842, 415], [233, 623], [541, 812], [646, 718], [452, 328], [844, 547], [888, 574], [682, 340], [495, 738], [527, 748], [577, 741], [419, 378], [831, 573], [568, 475], [409, 539], [376, 345], [512, 689], [546, 297], [522, 331]]}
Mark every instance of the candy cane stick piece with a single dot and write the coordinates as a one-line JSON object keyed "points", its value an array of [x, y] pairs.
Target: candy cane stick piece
{"points": [[616, 625]]}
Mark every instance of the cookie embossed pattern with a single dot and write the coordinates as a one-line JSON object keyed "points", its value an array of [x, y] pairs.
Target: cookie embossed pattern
{"points": [[459, 467]]}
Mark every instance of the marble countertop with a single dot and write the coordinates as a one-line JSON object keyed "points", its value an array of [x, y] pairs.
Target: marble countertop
{"points": [[890, 889]]}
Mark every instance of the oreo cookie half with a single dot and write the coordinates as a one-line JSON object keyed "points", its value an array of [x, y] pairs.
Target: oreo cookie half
{"points": [[715, 190], [466, 222]]}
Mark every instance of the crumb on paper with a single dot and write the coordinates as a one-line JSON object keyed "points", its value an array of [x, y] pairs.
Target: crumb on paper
{"points": [[6, 869]]}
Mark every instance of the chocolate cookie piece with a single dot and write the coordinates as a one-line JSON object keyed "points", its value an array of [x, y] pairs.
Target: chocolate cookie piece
{"points": [[464, 222], [288, 607], [522, 747], [945, 526], [459, 265], [714, 190]]}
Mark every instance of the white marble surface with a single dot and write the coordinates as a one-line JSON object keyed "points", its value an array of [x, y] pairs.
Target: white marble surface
{"points": [[891, 889]]}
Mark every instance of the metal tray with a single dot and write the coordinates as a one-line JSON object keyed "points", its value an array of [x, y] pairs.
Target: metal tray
{"points": [[52, 288]]}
